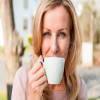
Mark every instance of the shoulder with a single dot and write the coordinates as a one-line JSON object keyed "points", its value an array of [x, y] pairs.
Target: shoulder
{"points": [[21, 74], [23, 70], [83, 91], [20, 85]]}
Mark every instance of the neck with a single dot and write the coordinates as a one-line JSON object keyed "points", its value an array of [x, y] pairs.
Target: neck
{"points": [[58, 87]]}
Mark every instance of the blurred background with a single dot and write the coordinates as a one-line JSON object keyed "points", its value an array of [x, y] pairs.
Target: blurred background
{"points": [[16, 19]]}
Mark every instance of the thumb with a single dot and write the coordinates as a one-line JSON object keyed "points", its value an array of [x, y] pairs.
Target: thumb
{"points": [[40, 57]]}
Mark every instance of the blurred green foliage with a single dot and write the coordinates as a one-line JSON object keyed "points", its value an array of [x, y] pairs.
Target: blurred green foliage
{"points": [[1, 48], [1, 53], [3, 96], [29, 39], [27, 48], [94, 99]]}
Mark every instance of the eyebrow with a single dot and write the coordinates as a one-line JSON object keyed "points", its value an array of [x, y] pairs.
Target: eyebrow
{"points": [[58, 30]]}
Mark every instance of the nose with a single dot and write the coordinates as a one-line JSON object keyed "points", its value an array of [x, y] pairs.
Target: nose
{"points": [[54, 44]]}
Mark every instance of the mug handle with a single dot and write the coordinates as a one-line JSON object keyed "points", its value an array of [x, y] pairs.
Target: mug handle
{"points": [[42, 62]]}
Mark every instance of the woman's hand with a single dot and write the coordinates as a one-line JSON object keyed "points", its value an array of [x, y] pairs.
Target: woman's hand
{"points": [[37, 81]]}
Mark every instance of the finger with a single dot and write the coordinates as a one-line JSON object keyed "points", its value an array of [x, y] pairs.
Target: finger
{"points": [[43, 86], [40, 88], [39, 82], [37, 75], [37, 66]]}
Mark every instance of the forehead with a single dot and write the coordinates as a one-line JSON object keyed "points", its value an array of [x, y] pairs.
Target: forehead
{"points": [[58, 16]]}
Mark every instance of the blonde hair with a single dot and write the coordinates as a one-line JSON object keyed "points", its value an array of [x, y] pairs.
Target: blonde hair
{"points": [[70, 74]]}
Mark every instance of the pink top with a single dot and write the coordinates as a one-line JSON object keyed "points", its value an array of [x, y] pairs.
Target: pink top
{"points": [[21, 92]]}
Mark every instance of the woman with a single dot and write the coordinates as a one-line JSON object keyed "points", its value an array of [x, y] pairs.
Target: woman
{"points": [[56, 33]]}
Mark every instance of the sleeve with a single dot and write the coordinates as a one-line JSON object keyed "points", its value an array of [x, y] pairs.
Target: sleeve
{"points": [[83, 91], [18, 91]]}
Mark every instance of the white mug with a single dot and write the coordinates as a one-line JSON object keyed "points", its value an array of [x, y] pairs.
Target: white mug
{"points": [[54, 67]]}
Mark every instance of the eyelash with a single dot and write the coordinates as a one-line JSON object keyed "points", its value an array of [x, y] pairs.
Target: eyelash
{"points": [[46, 34], [62, 34]]}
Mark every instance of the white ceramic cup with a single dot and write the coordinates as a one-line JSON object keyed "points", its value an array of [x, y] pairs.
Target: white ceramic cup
{"points": [[54, 67]]}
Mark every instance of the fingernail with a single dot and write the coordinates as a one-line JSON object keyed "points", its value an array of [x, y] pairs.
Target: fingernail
{"points": [[40, 55]]}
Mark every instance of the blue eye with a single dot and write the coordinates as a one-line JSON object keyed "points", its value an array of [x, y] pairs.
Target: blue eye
{"points": [[62, 34], [46, 34]]}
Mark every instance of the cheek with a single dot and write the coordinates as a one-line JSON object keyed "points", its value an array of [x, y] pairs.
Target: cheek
{"points": [[64, 49]]}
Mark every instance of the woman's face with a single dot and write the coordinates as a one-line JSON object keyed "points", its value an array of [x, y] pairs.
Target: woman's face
{"points": [[56, 33]]}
